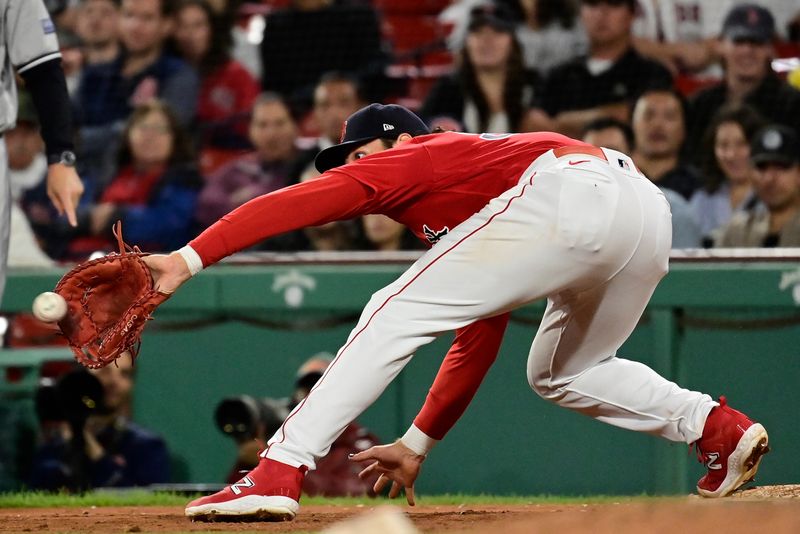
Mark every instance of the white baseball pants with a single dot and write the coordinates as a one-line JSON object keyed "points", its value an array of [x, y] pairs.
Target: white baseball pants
{"points": [[593, 236]]}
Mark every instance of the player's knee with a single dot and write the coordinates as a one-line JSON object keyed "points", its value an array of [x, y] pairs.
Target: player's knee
{"points": [[542, 386]]}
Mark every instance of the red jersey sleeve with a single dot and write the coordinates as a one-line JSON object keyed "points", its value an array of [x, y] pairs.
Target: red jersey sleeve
{"points": [[378, 183], [398, 176], [330, 197], [472, 354]]}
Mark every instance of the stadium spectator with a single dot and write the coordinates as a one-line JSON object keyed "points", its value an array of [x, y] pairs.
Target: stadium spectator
{"points": [[311, 37], [334, 236], [27, 169], [681, 34], [227, 89], [98, 28], [455, 20], [609, 133], [617, 135], [775, 152], [603, 83], [549, 34], [336, 97], [385, 234], [490, 92], [246, 37], [659, 127], [273, 133], [785, 12], [111, 451], [108, 92], [728, 173], [142, 70], [154, 192], [746, 48]]}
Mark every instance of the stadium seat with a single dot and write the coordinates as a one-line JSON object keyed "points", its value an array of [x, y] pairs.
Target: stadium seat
{"points": [[414, 7], [408, 33]]}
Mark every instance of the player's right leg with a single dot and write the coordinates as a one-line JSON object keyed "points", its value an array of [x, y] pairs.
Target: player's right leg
{"points": [[573, 363]]}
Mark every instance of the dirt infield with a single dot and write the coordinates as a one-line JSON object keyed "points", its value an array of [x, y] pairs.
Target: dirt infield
{"points": [[773, 509]]}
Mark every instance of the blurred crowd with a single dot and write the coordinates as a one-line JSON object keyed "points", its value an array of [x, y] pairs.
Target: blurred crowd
{"points": [[186, 109]]}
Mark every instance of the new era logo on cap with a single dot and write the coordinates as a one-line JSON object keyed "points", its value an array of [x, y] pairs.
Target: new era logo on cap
{"points": [[387, 127]]}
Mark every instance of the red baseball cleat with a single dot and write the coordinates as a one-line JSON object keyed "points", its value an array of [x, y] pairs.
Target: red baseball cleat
{"points": [[731, 449], [270, 492]]}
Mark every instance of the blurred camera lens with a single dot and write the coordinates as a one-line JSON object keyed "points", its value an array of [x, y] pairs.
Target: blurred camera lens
{"points": [[245, 417]]}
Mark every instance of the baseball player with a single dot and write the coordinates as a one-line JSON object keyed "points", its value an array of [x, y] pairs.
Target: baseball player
{"points": [[511, 218], [28, 45]]}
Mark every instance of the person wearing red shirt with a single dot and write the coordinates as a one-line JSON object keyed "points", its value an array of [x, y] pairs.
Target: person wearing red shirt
{"points": [[227, 89], [511, 218]]}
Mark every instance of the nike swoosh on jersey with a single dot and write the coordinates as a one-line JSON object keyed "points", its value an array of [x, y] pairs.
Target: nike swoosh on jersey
{"points": [[579, 161]]}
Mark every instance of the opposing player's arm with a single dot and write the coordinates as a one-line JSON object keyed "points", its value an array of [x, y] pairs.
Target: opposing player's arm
{"points": [[33, 49]]}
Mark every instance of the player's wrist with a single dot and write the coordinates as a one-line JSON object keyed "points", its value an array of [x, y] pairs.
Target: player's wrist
{"points": [[193, 261], [418, 441]]}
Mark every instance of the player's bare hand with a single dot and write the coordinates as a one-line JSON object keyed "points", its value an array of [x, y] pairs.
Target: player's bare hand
{"points": [[396, 463], [169, 271], [64, 187]]}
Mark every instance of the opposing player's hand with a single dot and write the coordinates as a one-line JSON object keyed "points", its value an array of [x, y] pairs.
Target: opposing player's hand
{"points": [[169, 271], [396, 463], [64, 188]]}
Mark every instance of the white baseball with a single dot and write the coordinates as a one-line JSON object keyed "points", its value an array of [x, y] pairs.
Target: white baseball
{"points": [[49, 307]]}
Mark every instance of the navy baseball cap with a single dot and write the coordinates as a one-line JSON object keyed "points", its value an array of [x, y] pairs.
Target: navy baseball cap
{"points": [[749, 22], [775, 144], [375, 121], [493, 15]]}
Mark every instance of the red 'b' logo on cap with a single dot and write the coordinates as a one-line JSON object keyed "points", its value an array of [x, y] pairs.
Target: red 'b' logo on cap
{"points": [[752, 17], [344, 131]]}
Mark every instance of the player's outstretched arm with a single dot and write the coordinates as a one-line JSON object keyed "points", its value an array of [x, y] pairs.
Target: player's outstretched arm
{"points": [[396, 463]]}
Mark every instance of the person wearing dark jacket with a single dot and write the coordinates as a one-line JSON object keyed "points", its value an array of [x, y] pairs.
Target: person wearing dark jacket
{"points": [[106, 449], [747, 50], [491, 91], [155, 189], [605, 81], [310, 37]]}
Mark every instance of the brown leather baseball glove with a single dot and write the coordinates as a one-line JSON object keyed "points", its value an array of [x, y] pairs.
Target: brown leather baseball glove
{"points": [[109, 300]]}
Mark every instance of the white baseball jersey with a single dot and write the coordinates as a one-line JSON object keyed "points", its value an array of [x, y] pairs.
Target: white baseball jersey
{"points": [[27, 39], [695, 20]]}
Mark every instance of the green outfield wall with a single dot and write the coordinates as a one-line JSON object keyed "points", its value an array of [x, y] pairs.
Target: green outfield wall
{"points": [[724, 327]]}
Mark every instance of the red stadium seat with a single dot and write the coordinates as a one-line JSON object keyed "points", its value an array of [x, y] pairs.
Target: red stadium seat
{"points": [[687, 85], [413, 7], [25, 330], [410, 32], [212, 158]]}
